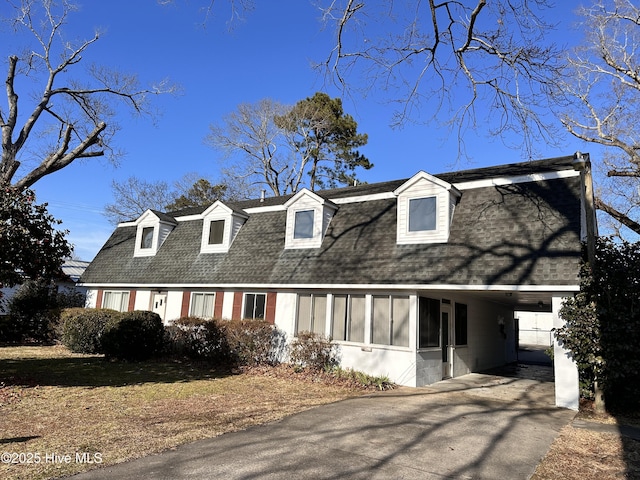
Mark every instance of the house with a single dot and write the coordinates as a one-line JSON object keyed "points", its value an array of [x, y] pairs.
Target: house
{"points": [[72, 270], [417, 279]]}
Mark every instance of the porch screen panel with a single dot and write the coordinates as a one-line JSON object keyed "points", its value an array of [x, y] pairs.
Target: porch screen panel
{"points": [[339, 318], [356, 318], [380, 333], [319, 314], [429, 322], [400, 318], [304, 313]]}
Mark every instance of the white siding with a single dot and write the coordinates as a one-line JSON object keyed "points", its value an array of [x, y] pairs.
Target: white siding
{"points": [[445, 201], [174, 305], [91, 299], [143, 300], [227, 305], [564, 368]]}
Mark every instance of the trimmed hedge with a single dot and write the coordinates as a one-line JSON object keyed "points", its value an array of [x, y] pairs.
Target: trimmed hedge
{"points": [[82, 329], [313, 351], [230, 343], [253, 342], [137, 335], [198, 338]]}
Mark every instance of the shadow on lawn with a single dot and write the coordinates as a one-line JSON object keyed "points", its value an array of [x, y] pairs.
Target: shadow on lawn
{"points": [[99, 372]]}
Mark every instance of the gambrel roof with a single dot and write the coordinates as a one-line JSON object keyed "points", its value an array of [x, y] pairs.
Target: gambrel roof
{"points": [[517, 224]]}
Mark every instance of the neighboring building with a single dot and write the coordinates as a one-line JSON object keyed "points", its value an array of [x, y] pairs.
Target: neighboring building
{"points": [[417, 279], [72, 270]]}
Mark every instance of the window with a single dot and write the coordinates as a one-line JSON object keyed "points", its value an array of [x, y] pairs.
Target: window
{"points": [[312, 313], [254, 305], [461, 324], [303, 227], [147, 237], [390, 319], [116, 301], [347, 321], [216, 232], [422, 214], [429, 315], [202, 305]]}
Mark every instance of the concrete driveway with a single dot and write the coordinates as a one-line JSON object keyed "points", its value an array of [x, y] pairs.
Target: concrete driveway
{"points": [[479, 426]]}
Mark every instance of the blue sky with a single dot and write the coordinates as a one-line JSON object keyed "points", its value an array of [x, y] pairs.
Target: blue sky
{"points": [[268, 55]]}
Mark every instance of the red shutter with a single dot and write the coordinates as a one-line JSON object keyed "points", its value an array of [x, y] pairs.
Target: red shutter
{"points": [[186, 297], [132, 301], [217, 307], [237, 306], [270, 313], [99, 299]]}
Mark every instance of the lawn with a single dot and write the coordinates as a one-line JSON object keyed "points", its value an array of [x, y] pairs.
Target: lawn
{"points": [[60, 411], [54, 405]]}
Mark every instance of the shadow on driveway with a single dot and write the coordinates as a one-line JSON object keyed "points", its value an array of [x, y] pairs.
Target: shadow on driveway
{"points": [[481, 426]]}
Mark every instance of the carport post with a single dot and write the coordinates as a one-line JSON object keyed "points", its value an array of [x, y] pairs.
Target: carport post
{"points": [[565, 369]]}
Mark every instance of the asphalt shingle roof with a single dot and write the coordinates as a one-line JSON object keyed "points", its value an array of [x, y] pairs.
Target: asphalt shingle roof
{"points": [[519, 234]]}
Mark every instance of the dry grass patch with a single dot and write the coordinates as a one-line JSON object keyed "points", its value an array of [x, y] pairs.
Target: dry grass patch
{"points": [[584, 454], [60, 403]]}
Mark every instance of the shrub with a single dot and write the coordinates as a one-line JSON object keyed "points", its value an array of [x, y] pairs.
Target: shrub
{"points": [[137, 335], [82, 329], [33, 313], [313, 351], [198, 338], [252, 342]]}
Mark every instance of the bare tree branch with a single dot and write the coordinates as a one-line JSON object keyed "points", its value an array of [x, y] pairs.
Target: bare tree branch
{"points": [[81, 112]]}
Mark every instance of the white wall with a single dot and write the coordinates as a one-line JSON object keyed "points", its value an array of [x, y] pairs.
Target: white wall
{"points": [[397, 364], [565, 369], [535, 328]]}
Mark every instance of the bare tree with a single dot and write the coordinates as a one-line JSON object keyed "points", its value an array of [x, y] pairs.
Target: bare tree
{"points": [[70, 118], [285, 148], [264, 156], [604, 77], [454, 60], [134, 196]]}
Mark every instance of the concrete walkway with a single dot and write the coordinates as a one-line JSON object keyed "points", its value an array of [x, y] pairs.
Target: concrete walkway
{"points": [[479, 426]]}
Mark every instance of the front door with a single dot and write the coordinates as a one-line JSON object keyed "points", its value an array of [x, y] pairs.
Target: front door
{"points": [[447, 341], [160, 304]]}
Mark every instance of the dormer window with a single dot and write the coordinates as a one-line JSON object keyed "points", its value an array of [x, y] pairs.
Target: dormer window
{"points": [[303, 224], [422, 214], [216, 232], [153, 228], [425, 209], [147, 237], [221, 224], [308, 217]]}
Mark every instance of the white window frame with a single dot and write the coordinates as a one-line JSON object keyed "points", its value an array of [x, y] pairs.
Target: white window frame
{"points": [[244, 306], [123, 303], [391, 320], [435, 214], [317, 325], [233, 221], [347, 325], [224, 228], [192, 304], [303, 235], [307, 201], [423, 186]]}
